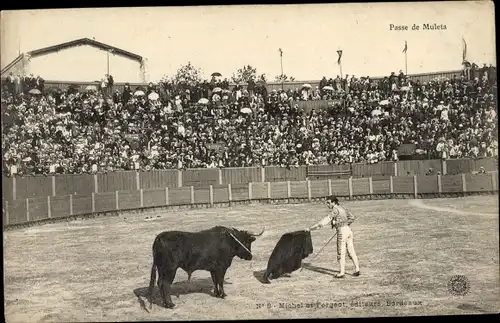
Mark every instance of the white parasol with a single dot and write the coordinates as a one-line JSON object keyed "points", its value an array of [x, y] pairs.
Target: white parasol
{"points": [[35, 91], [152, 96]]}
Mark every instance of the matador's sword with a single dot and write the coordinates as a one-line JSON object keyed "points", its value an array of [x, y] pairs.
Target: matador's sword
{"points": [[321, 249]]}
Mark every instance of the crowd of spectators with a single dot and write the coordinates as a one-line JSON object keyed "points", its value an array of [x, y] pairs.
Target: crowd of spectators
{"points": [[213, 124]]}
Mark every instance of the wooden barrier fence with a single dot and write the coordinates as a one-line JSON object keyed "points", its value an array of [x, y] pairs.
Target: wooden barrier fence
{"points": [[22, 211], [15, 188]]}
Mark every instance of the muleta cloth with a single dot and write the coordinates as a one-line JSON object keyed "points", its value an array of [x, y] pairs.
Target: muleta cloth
{"points": [[288, 254]]}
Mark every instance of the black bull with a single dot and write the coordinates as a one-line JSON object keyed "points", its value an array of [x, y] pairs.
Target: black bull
{"points": [[288, 254], [212, 250]]}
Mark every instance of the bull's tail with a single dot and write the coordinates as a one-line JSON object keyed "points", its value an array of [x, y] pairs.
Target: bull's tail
{"points": [[152, 284]]}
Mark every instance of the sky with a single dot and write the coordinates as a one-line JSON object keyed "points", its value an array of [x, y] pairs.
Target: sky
{"points": [[225, 38]]}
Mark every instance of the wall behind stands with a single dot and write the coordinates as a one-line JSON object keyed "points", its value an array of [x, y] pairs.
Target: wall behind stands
{"points": [[27, 210], [59, 185]]}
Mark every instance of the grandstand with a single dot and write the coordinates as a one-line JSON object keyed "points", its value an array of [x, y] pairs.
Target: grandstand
{"points": [[177, 126]]}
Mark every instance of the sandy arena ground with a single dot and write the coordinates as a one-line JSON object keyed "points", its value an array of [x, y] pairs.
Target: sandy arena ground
{"points": [[91, 270]]}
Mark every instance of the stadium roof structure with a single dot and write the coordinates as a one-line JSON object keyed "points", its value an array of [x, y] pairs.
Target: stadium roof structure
{"points": [[74, 43]]}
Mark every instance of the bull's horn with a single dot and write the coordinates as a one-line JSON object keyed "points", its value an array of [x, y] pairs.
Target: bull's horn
{"points": [[258, 235]]}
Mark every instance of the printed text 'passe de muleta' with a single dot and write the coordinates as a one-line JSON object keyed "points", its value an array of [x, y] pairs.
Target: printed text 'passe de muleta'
{"points": [[433, 26]]}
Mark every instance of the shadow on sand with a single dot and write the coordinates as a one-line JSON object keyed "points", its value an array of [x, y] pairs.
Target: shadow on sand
{"points": [[320, 270], [204, 286]]}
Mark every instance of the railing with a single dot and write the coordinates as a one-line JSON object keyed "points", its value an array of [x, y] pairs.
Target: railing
{"points": [[49, 208], [59, 185]]}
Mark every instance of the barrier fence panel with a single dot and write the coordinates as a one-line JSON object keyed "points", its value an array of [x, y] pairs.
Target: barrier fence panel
{"points": [[418, 167], [129, 199], [299, 189], [328, 172], [381, 186], [384, 168], [17, 211], [158, 179], [105, 201], [403, 184], [459, 166], [81, 204], [82, 184], [279, 190], [427, 184], [117, 181], [279, 174], [319, 188], [340, 187], [220, 193], [7, 187], [259, 191], [478, 182], [38, 208], [489, 164], [201, 177], [238, 175], [239, 192], [155, 196], [494, 180], [59, 206], [33, 186], [179, 195], [361, 186], [451, 183], [202, 195]]}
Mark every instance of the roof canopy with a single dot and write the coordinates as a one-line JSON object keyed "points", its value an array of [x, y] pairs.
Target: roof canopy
{"points": [[85, 41], [74, 43]]}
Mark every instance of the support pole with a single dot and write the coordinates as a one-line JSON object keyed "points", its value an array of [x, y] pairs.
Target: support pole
{"points": [[350, 187], [229, 194], [211, 195], [49, 208]]}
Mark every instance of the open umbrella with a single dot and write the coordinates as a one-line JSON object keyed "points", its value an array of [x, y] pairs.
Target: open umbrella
{"points": [[35, 91], [91, 88], [153, 96], [308, 86], [376, 112], [216, 74], [139, 93], [384, 102], [246, 110], [203, 101], [328, 88], [217, 89]]}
